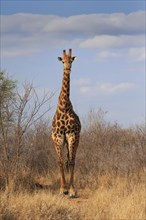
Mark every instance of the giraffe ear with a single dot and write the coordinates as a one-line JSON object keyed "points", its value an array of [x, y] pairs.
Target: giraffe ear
{"points": [[74, 58], [59, 58]]}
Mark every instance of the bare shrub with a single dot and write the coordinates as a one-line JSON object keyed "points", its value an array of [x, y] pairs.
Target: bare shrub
{"points": [[40, 153], [18, 115], [108, 148]]}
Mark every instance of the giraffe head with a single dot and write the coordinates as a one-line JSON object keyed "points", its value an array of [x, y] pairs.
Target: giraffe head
{"points": [[67, 59]]}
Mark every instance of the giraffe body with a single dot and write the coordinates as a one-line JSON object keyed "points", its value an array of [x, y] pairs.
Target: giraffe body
{"points": [[66, 127]]}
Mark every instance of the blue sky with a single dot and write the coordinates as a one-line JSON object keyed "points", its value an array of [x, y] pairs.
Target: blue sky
{"points": [[67, 8], [108, 38]]}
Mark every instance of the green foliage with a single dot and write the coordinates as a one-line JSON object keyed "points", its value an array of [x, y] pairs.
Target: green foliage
{"points": [[7, 87]]}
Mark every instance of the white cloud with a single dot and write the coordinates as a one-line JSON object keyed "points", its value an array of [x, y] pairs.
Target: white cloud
{"points": [[117, 23], [109, 41], [25, 23], [106, 88], [15, 52], [28, 33], [111, 88], [137, 54], [82, 81], [106, 54]]}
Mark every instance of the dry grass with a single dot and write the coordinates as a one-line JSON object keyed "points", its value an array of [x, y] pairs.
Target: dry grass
{"points": [[40, 205], [116, 198], [122, 201]]}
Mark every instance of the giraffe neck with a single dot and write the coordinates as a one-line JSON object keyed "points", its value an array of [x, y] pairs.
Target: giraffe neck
{"points": [[64, 102]]}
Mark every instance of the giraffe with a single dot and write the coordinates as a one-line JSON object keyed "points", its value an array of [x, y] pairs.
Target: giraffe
{"points": [[66, 128]]}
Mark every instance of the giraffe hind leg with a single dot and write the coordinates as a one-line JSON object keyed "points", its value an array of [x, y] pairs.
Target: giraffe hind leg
{"points": [[67, 158]]}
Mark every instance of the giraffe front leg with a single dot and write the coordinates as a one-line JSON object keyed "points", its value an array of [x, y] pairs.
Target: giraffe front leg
{"points": [[72, 193], [73, 144], [63, 188]]}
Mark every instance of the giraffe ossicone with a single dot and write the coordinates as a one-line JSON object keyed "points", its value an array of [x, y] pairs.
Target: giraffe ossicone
{"points": [[66, 127]]}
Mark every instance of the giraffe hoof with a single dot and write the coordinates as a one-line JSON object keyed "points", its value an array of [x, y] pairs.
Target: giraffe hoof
{"points": [[72, 196], [64, 192]]}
